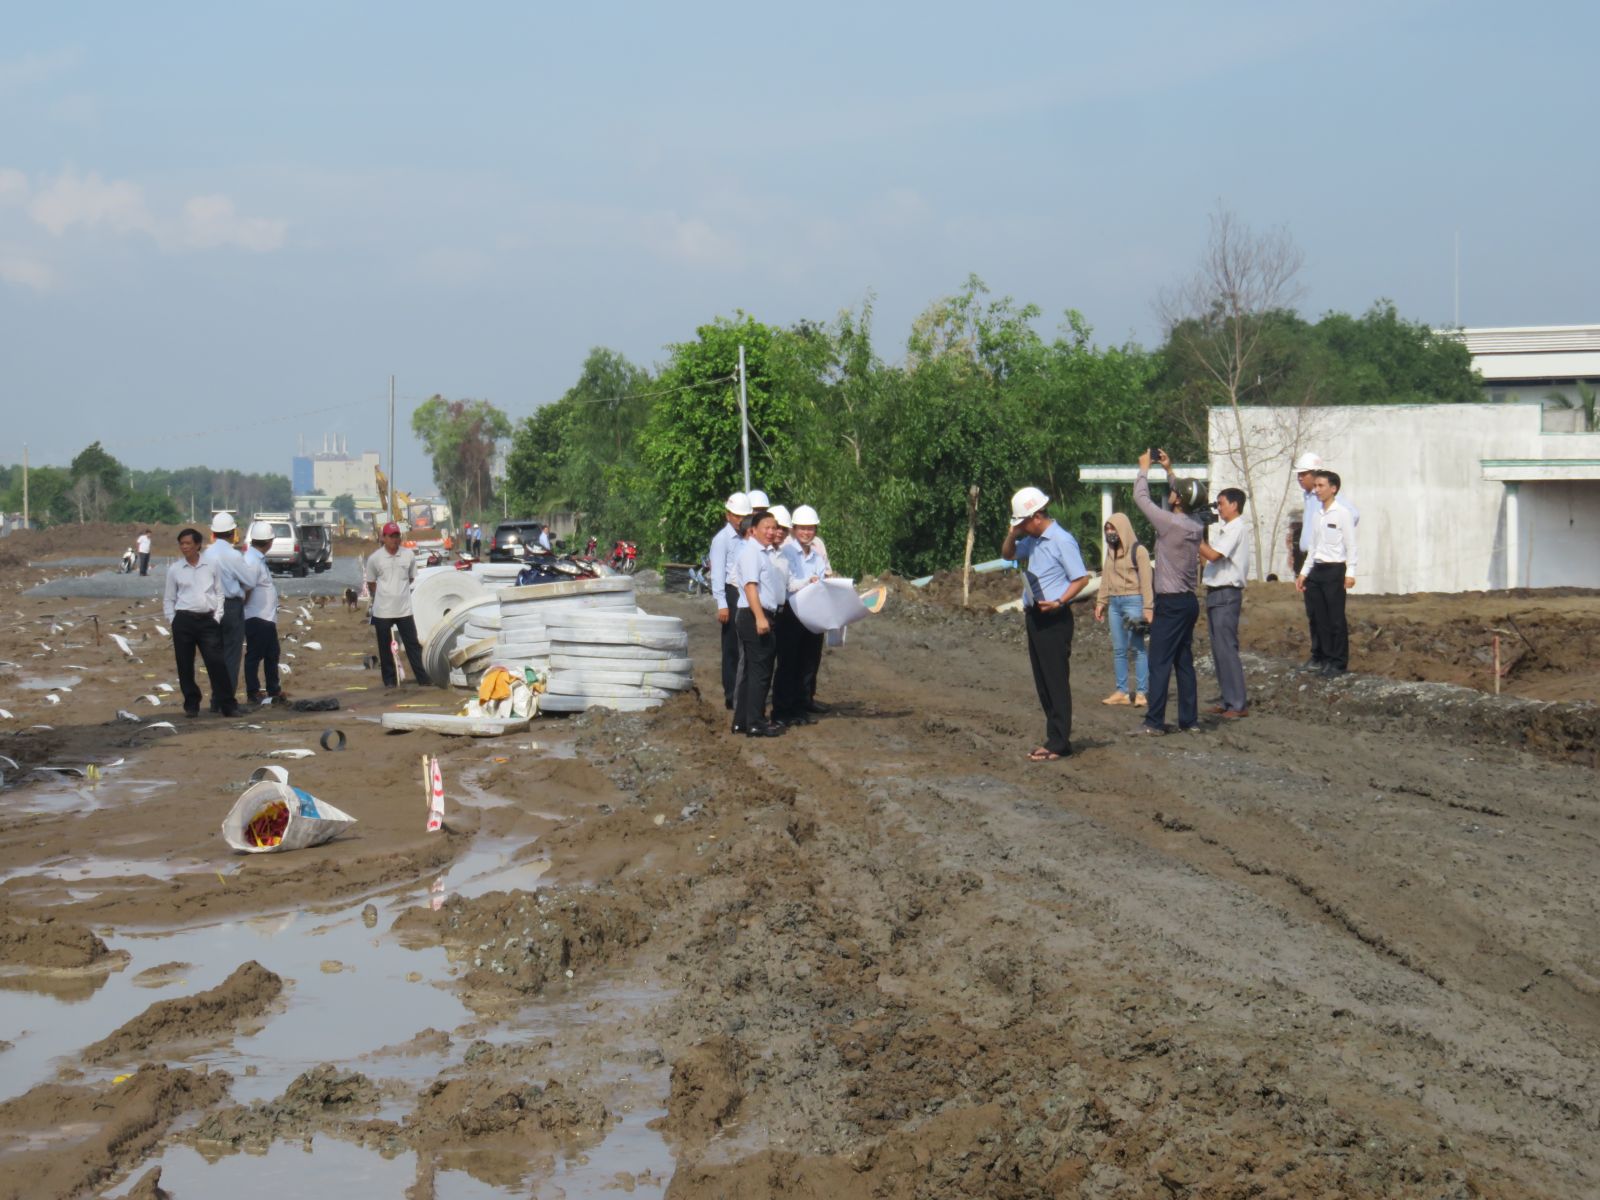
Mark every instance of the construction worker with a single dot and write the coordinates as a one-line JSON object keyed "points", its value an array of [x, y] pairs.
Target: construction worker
{"points": [[229, 565], [724, 593]]}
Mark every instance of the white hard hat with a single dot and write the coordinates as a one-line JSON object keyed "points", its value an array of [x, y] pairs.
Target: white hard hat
{"points": [[222, 522], [782, 513], [738, 504], [261, 531], [1308, 462], [758, 499], [805, 515], [1027, 502]]}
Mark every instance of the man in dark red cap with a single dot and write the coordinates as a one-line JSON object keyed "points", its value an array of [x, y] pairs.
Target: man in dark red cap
{"points": [[390, 572]]}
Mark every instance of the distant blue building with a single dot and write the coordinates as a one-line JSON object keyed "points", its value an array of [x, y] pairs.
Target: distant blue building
{"points": [[303, 477]]}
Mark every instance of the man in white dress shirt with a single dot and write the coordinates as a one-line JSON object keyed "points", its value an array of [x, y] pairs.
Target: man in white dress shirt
{"points": [[193, 603], [1227, 559], [260, 619], [142, 545], [1328, 573]]}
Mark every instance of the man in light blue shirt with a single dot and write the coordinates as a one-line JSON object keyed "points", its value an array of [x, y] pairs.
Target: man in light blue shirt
{"points": [[261, 619], [724, 595], [229, 565], [1053, 574], [762, 591]]}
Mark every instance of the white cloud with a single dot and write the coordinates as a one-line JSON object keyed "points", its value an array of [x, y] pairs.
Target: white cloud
{"points": [[73, 201], [210, 221], [91, 201], [19, 268]]}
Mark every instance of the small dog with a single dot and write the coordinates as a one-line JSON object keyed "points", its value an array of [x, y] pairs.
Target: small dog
{"points": [[352, 599]]}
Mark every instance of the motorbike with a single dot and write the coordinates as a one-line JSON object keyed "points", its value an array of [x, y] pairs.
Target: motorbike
{"points": [[128, 561], [624, 557], [594, 544], [551, 568]]}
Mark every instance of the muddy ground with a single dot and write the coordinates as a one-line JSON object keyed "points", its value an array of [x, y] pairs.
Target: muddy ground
{"points": [[1344, 947]]}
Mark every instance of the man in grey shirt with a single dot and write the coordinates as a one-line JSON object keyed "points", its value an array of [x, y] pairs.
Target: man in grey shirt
{"points": [[1177, 570]]}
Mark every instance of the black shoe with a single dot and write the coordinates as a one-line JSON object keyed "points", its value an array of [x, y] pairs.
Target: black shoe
{"points": [[799, 718], [816, 706], [253, 697], [1311, 664], [727, 704], [738, 728], [765, 731], [231, 713], [191, 712], [1332, 670]]}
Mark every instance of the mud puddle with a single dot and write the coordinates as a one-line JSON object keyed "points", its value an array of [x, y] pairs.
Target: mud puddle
{"points": [[57, 792], [324, 1167], [352, 991]]}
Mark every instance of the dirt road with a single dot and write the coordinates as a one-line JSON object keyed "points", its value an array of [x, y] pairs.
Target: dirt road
{"points": [[1345, 947]]}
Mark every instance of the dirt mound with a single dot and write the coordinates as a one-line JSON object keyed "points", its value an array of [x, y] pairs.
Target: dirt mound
{"points": [[126, 1123], [489, 1108], [322, 1098], [987, 589], [92, 537], [705, 1090], [50, 943], [218, 1011], [520, 942]]}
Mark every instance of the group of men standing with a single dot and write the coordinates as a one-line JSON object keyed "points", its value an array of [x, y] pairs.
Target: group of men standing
{"points": [[1163, 601], [761, 556], [221, 604]]}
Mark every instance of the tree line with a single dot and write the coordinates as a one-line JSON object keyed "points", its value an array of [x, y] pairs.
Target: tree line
{"points": [[886, 452], [95, 486]]}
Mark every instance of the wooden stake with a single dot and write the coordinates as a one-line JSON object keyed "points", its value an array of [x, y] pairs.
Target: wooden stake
{"points": [[972, 532], [1497, 664]]}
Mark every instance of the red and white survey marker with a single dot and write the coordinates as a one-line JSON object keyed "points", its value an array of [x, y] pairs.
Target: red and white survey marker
{"points": [[434, 782]]}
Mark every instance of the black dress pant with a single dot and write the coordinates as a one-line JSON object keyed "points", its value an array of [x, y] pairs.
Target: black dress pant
{"points": [[1330, 635], [730, 645], [1172, 653], [144, 564], [406, 628], [232, 645], [1050, 655], [199, 631], [789, 695], [750, 705], [260, 656]]}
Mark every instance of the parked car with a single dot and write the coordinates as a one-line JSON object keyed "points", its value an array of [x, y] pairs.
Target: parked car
{"points": [[287, 553], [510, 537], [316, 545]]}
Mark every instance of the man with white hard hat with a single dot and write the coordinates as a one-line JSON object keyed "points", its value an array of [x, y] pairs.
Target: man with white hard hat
{"points": [[794, 687], [228, 563], [260, 619], [725, 593], [1053, 574], [758, 501], [1305, 473]]}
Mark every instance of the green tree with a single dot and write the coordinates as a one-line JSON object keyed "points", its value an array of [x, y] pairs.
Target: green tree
{"points": [[344, 505], [690, 446], [146, 508], [462, 438]]}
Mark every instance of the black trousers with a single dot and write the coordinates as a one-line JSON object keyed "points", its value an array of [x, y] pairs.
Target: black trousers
{"points": [[232, 643], [1050, 655], [1172, 653], [750, 705], [1330, 635], [144, 564], [260, 655], [200, 631], [730, 645], [789, 696], [406, 628]]}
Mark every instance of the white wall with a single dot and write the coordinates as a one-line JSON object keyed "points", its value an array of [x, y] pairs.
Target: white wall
{"points": [[338, 476], [1429, 520]]}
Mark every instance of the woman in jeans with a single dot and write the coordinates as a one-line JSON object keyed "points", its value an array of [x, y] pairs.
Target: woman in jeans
{"points": [[1127, 594]]}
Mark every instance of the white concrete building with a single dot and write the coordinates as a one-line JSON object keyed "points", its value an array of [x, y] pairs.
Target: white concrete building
{"points": [[1530, 363], [1453, 497]]}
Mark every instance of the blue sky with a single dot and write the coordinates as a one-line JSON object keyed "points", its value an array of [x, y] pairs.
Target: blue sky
{"points": [[214, 216]]}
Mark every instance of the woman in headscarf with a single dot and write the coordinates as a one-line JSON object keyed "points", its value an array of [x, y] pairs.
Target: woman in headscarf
{"points": [[1127, 598]]}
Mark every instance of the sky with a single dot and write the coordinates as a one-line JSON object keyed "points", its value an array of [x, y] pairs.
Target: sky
{"points": [[223, 227]]}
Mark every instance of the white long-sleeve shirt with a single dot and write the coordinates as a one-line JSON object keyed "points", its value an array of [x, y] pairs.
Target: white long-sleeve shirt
{"points": [[1333, 539], [195, 589], [1308, 519], [262, 603]]}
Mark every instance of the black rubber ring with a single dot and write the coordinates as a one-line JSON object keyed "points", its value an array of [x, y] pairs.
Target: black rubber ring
{"points": [[328, 736]]}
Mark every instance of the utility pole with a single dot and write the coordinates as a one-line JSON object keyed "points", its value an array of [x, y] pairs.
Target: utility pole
{"points": [[27, 522], [744, 422], [392, 516], [1458, 279]]}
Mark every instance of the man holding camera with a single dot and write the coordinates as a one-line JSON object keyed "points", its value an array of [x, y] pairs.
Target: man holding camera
{"points": [[1227, 559], [1178, 539], [1329, 572], [1054, 573]]}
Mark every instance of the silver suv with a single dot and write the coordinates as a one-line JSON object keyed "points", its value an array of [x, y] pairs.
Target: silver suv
{"points": [[286, 554]]}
